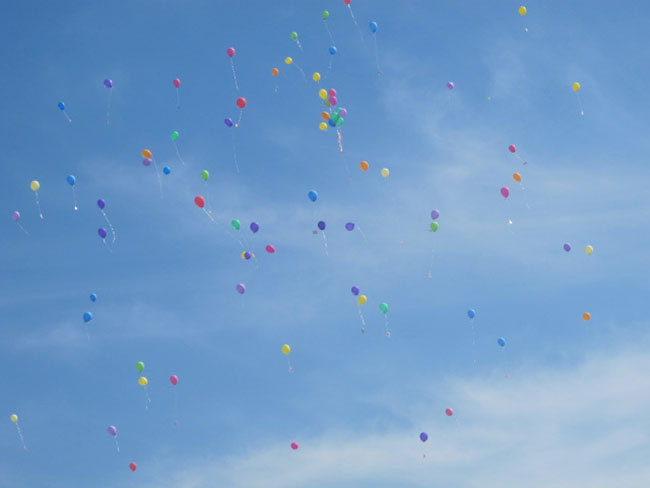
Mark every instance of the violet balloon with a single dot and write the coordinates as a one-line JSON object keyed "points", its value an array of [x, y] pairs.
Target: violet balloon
{"points": [[147, 161], [108, 83], [349, 226], [15, 215], [228, 122], [342, 113], [112, 430], [101, 203], [435, 214], [102, 232], [254, 227], [566, 246], [424, 436], [321, 225], [355, 290], [241, 288], [450, 85]]}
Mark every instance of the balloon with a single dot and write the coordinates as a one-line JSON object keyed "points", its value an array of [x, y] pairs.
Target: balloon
{"points": [[15, 215], [247, 255], [364, 165], [362, 299], [342, 113], [147, 161], [143, 381], [471, 313], [241, 102], [373, 27], [325, 115], [205, 175], [449, 412], [139, 366], [435, 213], [576, 86], [347, 2], [355, 290], [61, 105], [176, 82], [339, 122], [147, 154], [316, 77], [228, 122], [14, 418], [505, 192], [566, 247], [516, 177], [167, 170], [270, 249], [322, 126], [93, 297], [254, 227], [101, 203], [383, 306], [288, 60], [424, 436], [241, 288], [173, 379], [236, 224], [512, 148], [133, 466], [501, 341], [313, 195], [325, 14], [112, 430], [199, 201], [71, 180], [34, 185], [286, 349], [349, 226], [332, 122], [331, 92], [385, 172], [450, 85], [322, 93], [523, 10], [586, 316], [332, 101], [589, 250], [230, 51], [275, 71], [108, 83], [294, 35], [102, 232], [294, 445], [321, 225], [174, 135], [434, 226], [332, 50]]}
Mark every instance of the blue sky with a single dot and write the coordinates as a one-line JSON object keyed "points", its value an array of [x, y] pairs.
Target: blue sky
{"points": [[564, 403]]}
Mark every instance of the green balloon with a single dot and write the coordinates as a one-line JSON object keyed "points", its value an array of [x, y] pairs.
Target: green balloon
{"points": [[236, 224], [175, 135], [434, 226], [383, 306], [325, 14], [139, 366], [294, 35], [205, 175], [339, 121]]}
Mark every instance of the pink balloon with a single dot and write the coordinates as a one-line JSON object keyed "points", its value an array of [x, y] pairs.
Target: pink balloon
{"points": [[449, 412], [505, 192], [177, 82], [332, 92], [15, 215], [270, 249], [512, 148], [230, 51], [294, 445], [332, 101], [173, 379]]}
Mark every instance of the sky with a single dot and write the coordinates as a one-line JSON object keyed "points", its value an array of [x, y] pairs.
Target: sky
{"points": [[564, 403]]}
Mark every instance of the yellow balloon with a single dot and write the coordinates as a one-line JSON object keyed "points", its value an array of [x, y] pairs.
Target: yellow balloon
{"points": [[143, 381], [322, 93], [34, 185], [576, 86], [146, 154], [385, 172], [14, 418], [362, 299], [286, 349], [322, 126], [243, 255], [316, 77], [589, 250], [523, 10], [288, 60]]}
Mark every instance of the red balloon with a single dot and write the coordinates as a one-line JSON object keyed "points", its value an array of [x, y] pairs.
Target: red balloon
{"points": [[230, 51], [177, 82], [199, 201], [133, 466], [174, 379], [347, 2], [241, 102]]}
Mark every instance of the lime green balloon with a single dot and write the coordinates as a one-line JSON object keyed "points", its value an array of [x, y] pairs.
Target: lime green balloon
{"points": [[339, 121], [294, 35], [174, 135], [236, 224], [383, 306], [434, 226], [139, 366], [205, 175], [325, 14]]}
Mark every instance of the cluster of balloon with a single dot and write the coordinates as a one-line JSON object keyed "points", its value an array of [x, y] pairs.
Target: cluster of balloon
{"points": [[14, 418], [35, 186], [333, 119], [294, 38], [15, 216], [177, 84], [112, 431], [231, 54], [101, 204], [321, 226], [373, 29], [147, 159], [326, 15], [286, 350], [361, 300], [108, 83], [523, 11], [71, 181], [576, 88], [61, 106], [433, 227]]}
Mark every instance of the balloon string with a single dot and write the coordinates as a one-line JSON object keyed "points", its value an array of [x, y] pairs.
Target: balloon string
{"points": [[109, 225], [209, 215], [325, 243], [374, 36], [328, 32], [520, 159], [582, 112], [473, 342], [22, 228], [299, 45], [74, 198], [158, 176], [289, 363], [38, 205], [178, 98], [386, 325], [234, 74], [108, 107], [354, 19], [148, 404], [302, 72], [117, 446], [433, 253], [339, 137], [67, 116], [107, 246], [363, 320], [241, 113], [234, 151], [178, 153], [20, 435], [362, 234]]}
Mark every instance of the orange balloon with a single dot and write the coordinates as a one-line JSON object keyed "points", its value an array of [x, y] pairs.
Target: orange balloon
{"points": [[586, 316], [146, 154], [516, 177], [325, 115], [364, 165], [275, 71]]}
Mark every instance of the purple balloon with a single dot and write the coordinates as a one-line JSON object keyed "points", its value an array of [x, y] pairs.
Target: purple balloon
{"points": [[112, 430], [424, 436], [355, 290], [15, 215], [435, 214], [343, 113], [102, 232], [450, 85], [247, 255], [254, 227], [321, 225], [228, 122], [241, 288], [108, 83], [101, 203], [567, 246], [349, 226], [147, 161]]}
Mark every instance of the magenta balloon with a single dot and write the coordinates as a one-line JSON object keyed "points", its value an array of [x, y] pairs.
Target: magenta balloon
{"points": [[177, 82], [512, 148], [294, 445], [332, 92], [173, 379], [505, 192], [15, 215], [449, 412], [230, 51], [332, 101]]}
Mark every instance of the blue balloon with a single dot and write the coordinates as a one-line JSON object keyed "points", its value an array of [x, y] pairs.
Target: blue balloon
{"points": [[321, 225], [373, 27], [71, 180], [88, 317], [93, 298], [424, 436], [501, 341], [167, 170], [332, 50], [313, 195], [61, 105], [332, 122], [471, 313]]}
